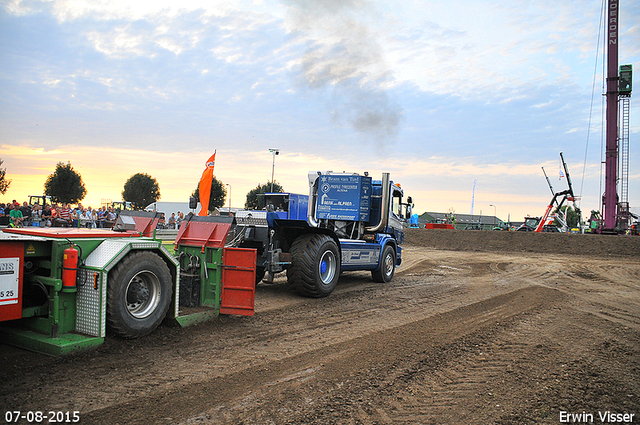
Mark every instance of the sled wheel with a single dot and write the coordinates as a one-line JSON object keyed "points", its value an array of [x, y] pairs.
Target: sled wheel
{"points": [[138, 294]]}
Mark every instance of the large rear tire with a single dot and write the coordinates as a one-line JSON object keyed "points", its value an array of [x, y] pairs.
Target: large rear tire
{"points": [[315, 265], [387, 266], [138, 295]]}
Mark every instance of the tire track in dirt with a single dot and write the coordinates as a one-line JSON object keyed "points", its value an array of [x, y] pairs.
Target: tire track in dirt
{"points": [[172, 357], [348, 358], [328, 367], [520, 371], [493, 381]]}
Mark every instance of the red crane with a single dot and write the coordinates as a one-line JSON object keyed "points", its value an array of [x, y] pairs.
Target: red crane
{"points": [[566, 195]]}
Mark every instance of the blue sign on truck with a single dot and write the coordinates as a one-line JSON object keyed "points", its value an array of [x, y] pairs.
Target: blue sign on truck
{"points": [[344, 197]]}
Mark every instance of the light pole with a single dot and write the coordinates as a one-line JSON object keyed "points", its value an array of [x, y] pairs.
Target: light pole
{"points": [[274, 152], [229, 197], [494, 214]]}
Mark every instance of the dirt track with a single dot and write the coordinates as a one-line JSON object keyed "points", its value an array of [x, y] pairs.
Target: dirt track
{"points": [[490, 329]]}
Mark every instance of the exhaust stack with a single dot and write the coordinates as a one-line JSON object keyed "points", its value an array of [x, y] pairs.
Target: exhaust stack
{"points": [[384, 213]]}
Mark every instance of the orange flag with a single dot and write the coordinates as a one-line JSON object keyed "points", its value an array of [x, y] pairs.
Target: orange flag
{"points": [[205, 185]]}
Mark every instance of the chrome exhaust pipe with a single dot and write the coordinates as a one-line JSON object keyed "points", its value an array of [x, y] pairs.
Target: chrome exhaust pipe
{"points": [[313, 196], [384, 214]]}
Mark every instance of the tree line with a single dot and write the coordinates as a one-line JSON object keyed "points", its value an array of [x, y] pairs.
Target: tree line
{"points": [[65, 185]]}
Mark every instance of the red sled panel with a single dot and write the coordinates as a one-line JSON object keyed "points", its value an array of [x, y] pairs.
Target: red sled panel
{"points": [[238, 281], [203, 234], [11, 261]]}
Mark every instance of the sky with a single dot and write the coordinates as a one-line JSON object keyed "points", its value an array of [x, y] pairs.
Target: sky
{"points": [[462, 102]]}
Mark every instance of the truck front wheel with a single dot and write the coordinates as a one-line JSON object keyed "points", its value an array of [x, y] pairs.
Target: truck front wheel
{"points": [[315, 265], [384, 274], [138, 294]]}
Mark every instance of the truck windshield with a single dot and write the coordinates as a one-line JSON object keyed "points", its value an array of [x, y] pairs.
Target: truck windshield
{"points": [[532, 222]]}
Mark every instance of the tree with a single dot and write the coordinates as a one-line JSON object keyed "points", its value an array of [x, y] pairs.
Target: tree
{"points": [[141, 190], [217, 196], [571, 217], [255, 196], [4, 183], [65, 185]]}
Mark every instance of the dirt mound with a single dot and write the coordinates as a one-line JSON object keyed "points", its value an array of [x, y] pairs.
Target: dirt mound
{"points": [[511, 242]]}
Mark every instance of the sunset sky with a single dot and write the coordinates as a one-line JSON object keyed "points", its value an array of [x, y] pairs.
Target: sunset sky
{"points": [[439, 94]]}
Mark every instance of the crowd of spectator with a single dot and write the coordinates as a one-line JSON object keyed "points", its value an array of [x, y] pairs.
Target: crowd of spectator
{"points": [[172, 223], [14, 214], [175, 220]]}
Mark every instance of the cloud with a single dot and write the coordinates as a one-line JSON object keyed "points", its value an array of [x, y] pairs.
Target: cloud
{"points": [[449, 91], [486, 48], [342, 56], [69, 10]]}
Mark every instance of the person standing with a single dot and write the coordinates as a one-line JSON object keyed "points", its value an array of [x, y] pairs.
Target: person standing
{"points": [[75, 215], [101, 217], [88, 218]]}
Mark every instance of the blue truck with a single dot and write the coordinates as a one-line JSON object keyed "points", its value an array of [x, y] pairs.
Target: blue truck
{"points": [[348, 222]]}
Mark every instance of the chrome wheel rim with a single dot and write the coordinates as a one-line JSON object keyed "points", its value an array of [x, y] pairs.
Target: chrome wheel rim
{"points": [[143, 294], [327, 267], [388, 264]]}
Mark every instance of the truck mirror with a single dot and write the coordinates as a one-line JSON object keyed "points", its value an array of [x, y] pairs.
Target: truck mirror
{"points": [[409, 200], [193, 203]]}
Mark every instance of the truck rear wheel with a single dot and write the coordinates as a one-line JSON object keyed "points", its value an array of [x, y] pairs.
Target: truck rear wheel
{"points": [[315, 265], [138, 295], [387, 266]]}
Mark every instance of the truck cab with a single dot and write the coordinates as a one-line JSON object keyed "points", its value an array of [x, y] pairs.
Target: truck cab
{"points": [[347, 222], [400, 211]]}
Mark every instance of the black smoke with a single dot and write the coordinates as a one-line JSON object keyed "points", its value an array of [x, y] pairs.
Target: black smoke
{"points": [[343, 56]]}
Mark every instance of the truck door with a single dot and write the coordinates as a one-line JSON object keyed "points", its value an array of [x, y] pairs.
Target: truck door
{"points": [[395, 216]]}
